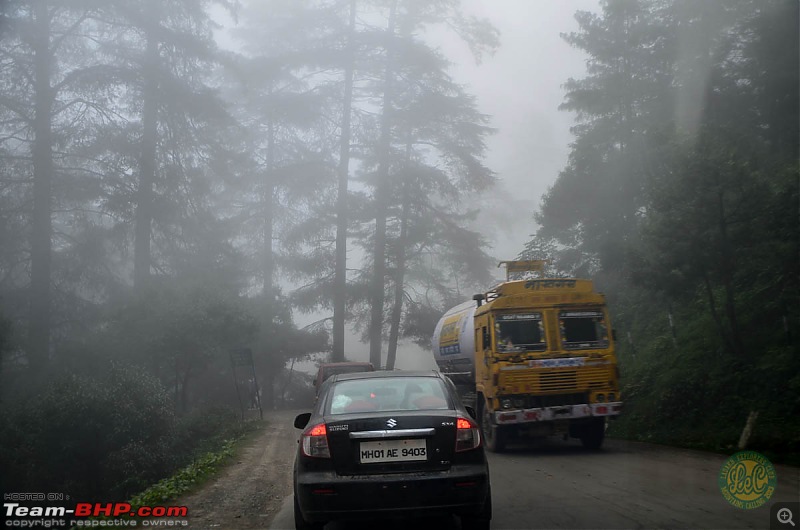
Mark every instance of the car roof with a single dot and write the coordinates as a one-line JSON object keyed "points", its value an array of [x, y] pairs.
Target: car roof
{"points": [[386, 373], [347, 363]]}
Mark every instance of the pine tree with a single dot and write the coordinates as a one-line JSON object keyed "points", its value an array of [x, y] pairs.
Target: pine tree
{"points": [[403, 82], [49, 105]]}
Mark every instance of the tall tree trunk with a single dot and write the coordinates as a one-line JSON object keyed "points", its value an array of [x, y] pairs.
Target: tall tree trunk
{"points": [[728, 267], [712, 307], [269, 214], [267, 353], [41, 236], [399, 278], [381, 203], [340, 277], [268, 391], [147, 167], [185, 389]]}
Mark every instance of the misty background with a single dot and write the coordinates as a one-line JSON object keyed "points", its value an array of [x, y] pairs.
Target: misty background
{"points": [[183, 181], [520, 87]]}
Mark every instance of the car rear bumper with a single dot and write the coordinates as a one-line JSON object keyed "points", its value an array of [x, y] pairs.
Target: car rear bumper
{"points": [[325, 496]]}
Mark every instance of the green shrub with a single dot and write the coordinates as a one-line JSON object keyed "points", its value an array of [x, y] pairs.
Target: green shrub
{"points": [[89, 438], [185, 479], [206, 430]]}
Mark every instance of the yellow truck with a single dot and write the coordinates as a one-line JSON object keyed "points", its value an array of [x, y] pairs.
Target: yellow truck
{"points": [[534, 356]]}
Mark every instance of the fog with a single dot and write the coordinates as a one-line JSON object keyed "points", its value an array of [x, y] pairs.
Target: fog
{"points": [[520, 88], [183, 147], [200, 199]]}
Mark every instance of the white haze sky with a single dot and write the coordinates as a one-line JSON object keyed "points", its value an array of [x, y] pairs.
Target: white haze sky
{"points": [[520, 88]]}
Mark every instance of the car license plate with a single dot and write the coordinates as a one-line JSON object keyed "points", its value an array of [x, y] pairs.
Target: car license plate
{"points": [[393, 451]]}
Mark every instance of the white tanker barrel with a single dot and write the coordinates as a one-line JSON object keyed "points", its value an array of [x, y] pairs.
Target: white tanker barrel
{"points": [[453, 343]]}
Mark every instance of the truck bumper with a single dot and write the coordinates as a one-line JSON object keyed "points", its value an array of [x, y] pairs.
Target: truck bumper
{"points": [[564, 412]]}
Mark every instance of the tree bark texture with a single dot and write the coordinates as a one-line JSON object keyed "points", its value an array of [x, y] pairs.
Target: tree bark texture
{"points": [[340, 275], [400, 272], [381, 204], [42, 229], [147, 167]]}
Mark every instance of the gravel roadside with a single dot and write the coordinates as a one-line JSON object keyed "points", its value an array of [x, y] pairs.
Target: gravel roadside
{"points": [[249, 492]]}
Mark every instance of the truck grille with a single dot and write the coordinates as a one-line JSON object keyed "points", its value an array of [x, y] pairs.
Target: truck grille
{"points": [[562, 381], [558, 381]]}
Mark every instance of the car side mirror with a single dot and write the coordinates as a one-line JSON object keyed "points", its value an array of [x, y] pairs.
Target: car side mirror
{"points": [[301, 420], [471, 412]]}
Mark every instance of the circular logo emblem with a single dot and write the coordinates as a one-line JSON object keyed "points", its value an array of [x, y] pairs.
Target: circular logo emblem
{"points": [[747, 480]]}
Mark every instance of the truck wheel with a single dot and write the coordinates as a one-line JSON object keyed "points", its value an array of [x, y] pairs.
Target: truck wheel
{"points": [[594, 433], [494, 435]]}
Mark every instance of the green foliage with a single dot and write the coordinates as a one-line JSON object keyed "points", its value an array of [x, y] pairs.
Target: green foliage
{"points": [[89, 437], [680, 199], [182, 332], [204, 430], [106, 438], [185, 479]]}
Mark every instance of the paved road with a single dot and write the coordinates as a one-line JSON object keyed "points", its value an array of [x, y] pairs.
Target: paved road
{"points": [[626, 485]]}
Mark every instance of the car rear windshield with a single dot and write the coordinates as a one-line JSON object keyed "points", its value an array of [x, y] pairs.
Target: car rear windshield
{"points": [[388, 394]]}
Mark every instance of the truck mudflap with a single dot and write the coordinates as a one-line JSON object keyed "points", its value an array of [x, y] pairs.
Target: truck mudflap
{"points": [[564, 412]]}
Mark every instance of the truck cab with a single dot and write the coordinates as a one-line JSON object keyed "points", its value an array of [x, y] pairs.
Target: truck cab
{"points": [[542, 359]]}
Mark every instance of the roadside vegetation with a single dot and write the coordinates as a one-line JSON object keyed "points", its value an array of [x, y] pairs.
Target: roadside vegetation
{"points": [[680, 199], [111, 438], [186, 479]]}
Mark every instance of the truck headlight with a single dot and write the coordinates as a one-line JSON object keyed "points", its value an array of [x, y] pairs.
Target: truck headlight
{"points": [[612, 396], [505, 403], [600, 398]]}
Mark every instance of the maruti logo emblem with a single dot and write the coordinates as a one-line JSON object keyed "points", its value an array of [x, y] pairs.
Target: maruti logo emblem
{"points": [[391, 423]]}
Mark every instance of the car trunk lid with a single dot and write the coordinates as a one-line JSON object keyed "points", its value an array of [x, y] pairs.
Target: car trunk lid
{"points": [[397, 442]]}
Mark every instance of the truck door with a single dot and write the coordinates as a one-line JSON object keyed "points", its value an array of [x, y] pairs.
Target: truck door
{"points": [[482, 348]]}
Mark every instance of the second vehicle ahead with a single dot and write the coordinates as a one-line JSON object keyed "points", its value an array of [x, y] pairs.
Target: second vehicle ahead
{"points": [[328, 369], [536, 356], [386, 444]]}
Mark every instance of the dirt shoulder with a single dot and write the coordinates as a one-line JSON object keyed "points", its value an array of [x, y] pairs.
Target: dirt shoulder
{"points": [[249, 492]]}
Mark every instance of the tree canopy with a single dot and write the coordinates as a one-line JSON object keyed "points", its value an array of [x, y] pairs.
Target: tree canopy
{"points": [[680, 197]]}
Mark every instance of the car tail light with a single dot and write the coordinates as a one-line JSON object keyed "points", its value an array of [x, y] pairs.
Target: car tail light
{"points": [[468, 435], [314, 442]]}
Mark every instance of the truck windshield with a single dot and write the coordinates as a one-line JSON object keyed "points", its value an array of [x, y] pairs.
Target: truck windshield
{"points": [[518, 332], [583, 330]]}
